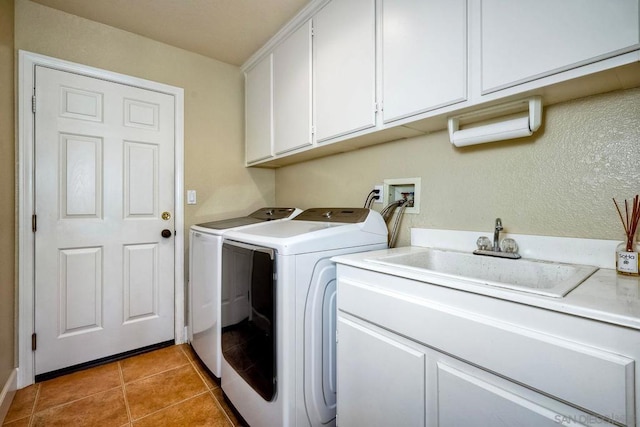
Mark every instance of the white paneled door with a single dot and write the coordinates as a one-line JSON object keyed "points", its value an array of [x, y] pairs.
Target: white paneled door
{"points": [[104, 194]]}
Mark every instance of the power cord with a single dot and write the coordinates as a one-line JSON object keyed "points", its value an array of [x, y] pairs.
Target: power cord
{"points": [[373, 195]]}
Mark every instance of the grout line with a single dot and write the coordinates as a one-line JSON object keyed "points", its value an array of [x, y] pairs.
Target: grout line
{"points": [[170, 406], [123, 389], [155, 374], [159, 372], [181, 347], [67, 403], [231, 423], [124, 393], [210, 390], [33, 408], [74, 400], [200, 374]]}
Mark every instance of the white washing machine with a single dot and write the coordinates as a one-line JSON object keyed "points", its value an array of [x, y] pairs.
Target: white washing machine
{"points": [[278, 335], [205, 250]]}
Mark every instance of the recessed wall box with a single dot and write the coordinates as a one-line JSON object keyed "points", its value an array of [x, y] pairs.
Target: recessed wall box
{"points": [[403, 188]]}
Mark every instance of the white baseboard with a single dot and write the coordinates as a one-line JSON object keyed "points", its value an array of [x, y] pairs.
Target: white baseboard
{"points": [[8, 391]]}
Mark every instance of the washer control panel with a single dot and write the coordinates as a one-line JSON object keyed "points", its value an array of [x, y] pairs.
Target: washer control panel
{"points": [[346, 215], [269, 214]]}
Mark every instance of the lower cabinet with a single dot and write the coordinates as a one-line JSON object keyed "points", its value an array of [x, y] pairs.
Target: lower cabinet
{"points": [[393, 381], [384, 385], [468, 396], [410, 360]]}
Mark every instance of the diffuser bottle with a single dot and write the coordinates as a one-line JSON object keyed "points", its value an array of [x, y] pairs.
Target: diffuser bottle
{"points": [[627, 251], [628, 259]]}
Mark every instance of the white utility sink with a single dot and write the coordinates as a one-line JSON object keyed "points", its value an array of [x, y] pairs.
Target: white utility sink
{"points": [[540, 277]]}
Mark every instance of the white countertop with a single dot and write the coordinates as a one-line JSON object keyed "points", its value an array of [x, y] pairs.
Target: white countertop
{"points": [[605, 296]]}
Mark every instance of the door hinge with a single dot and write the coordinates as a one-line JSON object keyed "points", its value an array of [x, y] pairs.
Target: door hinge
{"points": [[33, 103], [34, 223], [33, 342]]}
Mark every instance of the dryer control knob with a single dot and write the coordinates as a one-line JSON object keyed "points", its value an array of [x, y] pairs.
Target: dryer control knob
{"points": [[327, 214]]}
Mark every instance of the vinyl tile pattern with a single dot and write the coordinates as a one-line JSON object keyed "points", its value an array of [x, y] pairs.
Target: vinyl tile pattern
{"points": [[166, 387]]}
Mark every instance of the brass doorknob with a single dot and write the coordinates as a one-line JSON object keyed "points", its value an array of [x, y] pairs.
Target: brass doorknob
{"points": [[166, 233]]}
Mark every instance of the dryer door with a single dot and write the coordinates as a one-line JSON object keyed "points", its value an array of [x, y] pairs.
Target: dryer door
{"points": [[249, 313], [320, 344]]}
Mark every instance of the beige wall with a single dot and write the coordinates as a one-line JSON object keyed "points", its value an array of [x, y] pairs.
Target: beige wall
{"points": [[213, 111], [7, 185], [214, 103], [558, 183]]}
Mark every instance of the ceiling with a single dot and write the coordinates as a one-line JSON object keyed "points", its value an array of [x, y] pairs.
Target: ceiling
{"points": [[227, 30]]}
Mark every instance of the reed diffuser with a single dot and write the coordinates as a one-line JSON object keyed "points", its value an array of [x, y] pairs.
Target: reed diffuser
{"points": [[627, 260]]}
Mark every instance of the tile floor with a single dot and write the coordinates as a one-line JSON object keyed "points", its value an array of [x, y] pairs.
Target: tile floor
{"points": [[166, 387]]}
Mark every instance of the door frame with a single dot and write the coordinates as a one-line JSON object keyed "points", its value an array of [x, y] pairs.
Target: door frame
{"points": [[27, 61]]}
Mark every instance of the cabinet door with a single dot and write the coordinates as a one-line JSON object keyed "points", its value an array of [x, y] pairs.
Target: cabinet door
{"points": [[424, 55], [525, 40], [258, 118], [344, 40], [381, 382], [489, 400], [292, 91]]}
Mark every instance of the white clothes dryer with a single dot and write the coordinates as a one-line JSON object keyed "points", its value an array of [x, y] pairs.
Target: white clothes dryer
{"points": [[205, 250], [278, 332]]}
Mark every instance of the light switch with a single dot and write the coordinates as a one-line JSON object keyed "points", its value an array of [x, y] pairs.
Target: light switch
{"points": [[191, 197]]}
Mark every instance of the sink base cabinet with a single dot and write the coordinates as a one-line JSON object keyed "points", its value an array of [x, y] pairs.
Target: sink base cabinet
{"points": [[411, 353], [384, 368]]}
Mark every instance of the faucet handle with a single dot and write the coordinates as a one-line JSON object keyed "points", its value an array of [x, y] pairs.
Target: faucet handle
{"points": [[483, 243], [509, 245]]}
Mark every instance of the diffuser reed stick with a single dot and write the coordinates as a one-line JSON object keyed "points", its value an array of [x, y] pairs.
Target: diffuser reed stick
{"points": [[630, 220], [627, 257]]}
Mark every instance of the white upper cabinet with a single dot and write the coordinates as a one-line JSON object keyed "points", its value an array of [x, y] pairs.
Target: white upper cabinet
{"points": [[529, 39], [424, 55], [317, 87], [344, 54], [292, 91], [258, 119]]}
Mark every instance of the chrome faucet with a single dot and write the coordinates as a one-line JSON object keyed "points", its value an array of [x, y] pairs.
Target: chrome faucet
{"points": [[508, 248], [496, 235]]}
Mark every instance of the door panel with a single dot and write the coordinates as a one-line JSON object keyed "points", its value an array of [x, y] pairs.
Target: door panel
{"points": [[80, 282], [80, 176], [104, 174], [140, 282], [140, 180]]}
